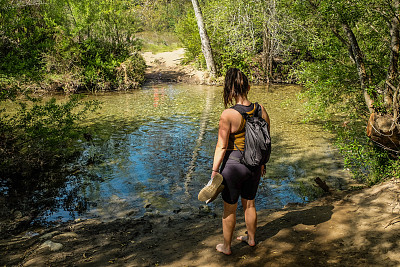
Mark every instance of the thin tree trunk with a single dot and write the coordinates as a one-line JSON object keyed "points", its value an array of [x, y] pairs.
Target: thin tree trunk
{"points": [[396, 107], [266, 58], [358, 57], [269, 17], [394, 59], [205, 41]]}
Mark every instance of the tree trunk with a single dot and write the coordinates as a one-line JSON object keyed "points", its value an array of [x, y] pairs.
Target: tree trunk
{"points": [[345, 42], [205, 41], [358, 57], [384, 132], [384, 129], [267, 53], [394, 61]]}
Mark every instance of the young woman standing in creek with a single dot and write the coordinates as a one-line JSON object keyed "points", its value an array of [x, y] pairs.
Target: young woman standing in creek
{"points": [[239, 180]]}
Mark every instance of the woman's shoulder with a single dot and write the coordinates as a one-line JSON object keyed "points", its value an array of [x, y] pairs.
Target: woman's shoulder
{"points": [[229, 112]]}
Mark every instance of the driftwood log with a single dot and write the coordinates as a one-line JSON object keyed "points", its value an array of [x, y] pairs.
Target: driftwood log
{"points": [[322, 184], [384, 132]]}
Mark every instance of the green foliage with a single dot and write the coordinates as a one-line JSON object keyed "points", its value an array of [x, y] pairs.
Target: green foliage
{"points": [[330, 85], [69, 45], [230, 58], [23, 39], [38, 136], [234, 42], [129, 73], [368, 163], [330, 77], [188, 33], [331, 67], [236, 30], [162, 15]]}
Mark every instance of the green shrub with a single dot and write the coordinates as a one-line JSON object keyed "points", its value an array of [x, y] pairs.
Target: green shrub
{"points": [[92, 65], [38, 136], [130, 73], [188, 33], [368, 163]]}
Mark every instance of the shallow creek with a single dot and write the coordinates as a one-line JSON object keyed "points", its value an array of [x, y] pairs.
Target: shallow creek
{"points": [[152, 152]]}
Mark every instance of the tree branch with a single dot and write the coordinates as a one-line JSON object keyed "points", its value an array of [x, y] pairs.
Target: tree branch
{"points": [[344, 41], [396, 105], [394, 9], [358, 56]]}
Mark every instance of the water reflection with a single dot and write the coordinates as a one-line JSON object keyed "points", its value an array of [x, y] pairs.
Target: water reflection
{"points": [[153, 148]]}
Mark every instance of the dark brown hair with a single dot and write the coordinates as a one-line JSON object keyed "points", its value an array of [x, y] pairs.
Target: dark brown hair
{"points": [[236, 84]]}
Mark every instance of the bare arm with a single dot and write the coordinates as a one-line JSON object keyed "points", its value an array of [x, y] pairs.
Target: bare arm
{"points": [[266, 118], [222, 143]]}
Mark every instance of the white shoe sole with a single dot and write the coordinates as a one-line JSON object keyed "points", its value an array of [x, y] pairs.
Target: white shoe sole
{"points": [[210, 189]]}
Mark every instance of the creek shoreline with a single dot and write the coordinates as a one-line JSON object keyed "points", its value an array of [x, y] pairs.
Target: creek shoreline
{"points": [[344, 228]]}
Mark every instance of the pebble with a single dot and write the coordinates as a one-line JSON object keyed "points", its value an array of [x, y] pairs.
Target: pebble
{"points": [[31, 234], [17, 215], [49, 235], [177, 210], [204, 208], [66, 235], [52, 245]]}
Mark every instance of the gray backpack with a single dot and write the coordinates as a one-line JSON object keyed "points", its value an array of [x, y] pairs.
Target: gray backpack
{"points": [[257, 140]]}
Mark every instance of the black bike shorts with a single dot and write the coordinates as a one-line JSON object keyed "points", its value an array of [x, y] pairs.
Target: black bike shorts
{"points": [[238, 179]]}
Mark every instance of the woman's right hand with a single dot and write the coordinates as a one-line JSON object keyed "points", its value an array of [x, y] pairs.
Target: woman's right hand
{"points": [[213, 174]]}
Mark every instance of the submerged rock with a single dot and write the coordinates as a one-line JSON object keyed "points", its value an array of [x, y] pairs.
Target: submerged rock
{"points": [[52, 245], [49, 235]]}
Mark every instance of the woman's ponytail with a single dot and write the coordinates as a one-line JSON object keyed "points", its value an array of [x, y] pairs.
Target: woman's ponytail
{"points": [[236, 84]]}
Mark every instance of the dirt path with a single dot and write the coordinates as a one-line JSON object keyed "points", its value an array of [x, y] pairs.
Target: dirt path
{"points": [[358, 228], [167, 67]]}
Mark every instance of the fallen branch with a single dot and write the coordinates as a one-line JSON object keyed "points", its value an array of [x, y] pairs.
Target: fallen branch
{"points": [[393, 221], [322, 184]]}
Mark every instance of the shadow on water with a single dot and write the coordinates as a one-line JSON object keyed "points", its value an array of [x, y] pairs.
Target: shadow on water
{"points": [[146, 142]]}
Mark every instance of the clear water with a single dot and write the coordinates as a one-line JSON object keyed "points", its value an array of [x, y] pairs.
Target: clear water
{"points": [[153, 149]]}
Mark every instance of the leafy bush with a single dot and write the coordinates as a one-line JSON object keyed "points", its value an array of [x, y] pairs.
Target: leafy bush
{"points": [[368, 163], [93, 65], [235, 29], [44, 47], [38, 136], [162, 15], [188, 33], [129, 74]]}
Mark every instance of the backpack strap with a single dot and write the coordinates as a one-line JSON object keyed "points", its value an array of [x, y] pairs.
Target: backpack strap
{"points": [[257, 110], [244, 114]]}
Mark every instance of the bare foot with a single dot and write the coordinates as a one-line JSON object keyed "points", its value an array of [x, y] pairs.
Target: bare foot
{"points": [[246, 239], [221, 248]]}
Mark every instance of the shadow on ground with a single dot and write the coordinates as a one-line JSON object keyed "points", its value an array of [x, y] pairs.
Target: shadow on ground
{"points": [[351, 229]]}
